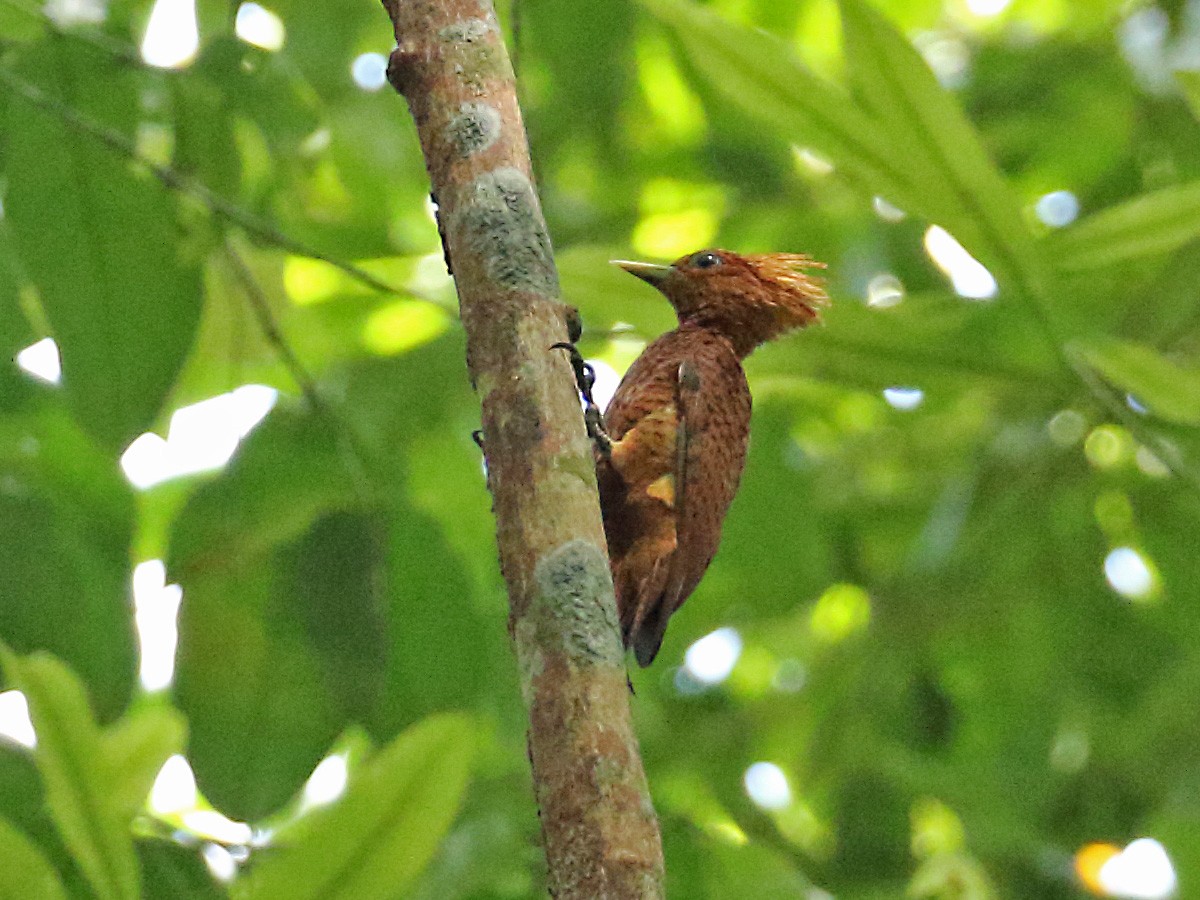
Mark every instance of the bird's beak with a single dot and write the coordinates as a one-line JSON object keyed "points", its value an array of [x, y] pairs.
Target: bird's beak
{"points": [[648, 272]]}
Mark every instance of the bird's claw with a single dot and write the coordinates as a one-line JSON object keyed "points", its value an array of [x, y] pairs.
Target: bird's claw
{"points": [[585, 380]]}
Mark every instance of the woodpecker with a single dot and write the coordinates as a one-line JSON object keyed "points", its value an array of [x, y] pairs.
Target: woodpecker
{"points": [[672, 443]]}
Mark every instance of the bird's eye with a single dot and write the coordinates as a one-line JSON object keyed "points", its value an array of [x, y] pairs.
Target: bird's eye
{"points": [[706, 260]]}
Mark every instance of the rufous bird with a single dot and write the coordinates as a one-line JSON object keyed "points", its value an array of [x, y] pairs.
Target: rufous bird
{"points": [[673, 444]]}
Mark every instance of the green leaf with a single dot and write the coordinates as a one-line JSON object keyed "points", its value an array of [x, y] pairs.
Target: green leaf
{"points": [[376, 840], [71, 757], [1168, 390], [281, 633], [28, 875], [64, 556], [939, 149], [1154, 223], [99, 240], [760, 74], [1189, 80], [15, 333], [135, 749]]}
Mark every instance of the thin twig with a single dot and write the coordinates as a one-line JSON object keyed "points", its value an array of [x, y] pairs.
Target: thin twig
{"points": [[175, 180], [344, 431]]}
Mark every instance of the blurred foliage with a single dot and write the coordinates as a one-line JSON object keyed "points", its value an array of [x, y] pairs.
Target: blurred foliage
{"points": [[931, 652]]}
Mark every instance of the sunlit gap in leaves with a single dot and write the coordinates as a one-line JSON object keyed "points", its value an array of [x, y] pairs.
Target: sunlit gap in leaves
{"points": [[326, 783], [201, 437], [260, 27], [967, 274], [369, 71], [172, 37], [709, 661], [15, 724], [156, 610], [175, 801], [1142, 871], [41, 361], [904, 398], [767, 786]]}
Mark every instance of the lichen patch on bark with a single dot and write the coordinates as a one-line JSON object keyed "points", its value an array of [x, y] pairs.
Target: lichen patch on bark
{"points": [[572, 581], [500, 218]]}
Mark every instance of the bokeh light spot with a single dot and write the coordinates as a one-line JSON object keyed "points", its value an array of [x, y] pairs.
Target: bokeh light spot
{"points": [[260, 27], [1108, 446], [885, 291], [403, 325], [710, 659], [970, 278], [904, 398], [767, 786], [840, 612], [1130, 574], [1058, 208], [369, 71], [172, 36], [1067, 427]]}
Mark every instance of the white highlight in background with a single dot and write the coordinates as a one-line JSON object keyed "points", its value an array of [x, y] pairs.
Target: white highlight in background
{"points": [[970, 277], [904, 398], [201, 437], [1128, 573], [174, 788], [1142, 871], [1058, 208], [985, 8], [260, 27], [767, 786], [15, 724], [711, 659], [156, 610], [172, 37], [885, 291], [369, 71], [41, 360], [327, 782], [66, 13], [221, 864]]}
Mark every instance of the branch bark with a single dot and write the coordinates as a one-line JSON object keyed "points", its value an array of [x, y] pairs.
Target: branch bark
{"points": [[598, 824]]}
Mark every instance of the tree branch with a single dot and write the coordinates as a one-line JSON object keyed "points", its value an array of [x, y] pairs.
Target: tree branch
{"points": [[601, 835]]}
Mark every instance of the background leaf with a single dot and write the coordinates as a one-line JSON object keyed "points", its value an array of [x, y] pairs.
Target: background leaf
{"points": [[123, 308], [379, 836], [70, 756]]}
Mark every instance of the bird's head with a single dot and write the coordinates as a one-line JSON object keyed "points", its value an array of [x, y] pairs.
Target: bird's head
{"points": [[748, 299]]}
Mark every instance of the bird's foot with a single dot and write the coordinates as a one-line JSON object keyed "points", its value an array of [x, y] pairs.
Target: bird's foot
{"points": [[585, 380]]}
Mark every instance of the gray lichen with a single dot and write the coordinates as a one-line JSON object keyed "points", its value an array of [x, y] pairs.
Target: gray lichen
{"points": [[499, 217], [466, 32], [474, 128], [573, 582]]}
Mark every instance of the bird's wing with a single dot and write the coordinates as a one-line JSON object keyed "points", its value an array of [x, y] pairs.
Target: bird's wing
{"points": [[694, 544]]}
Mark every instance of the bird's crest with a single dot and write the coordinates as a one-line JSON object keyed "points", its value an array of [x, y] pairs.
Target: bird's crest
{"points": [[798, 296]]}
